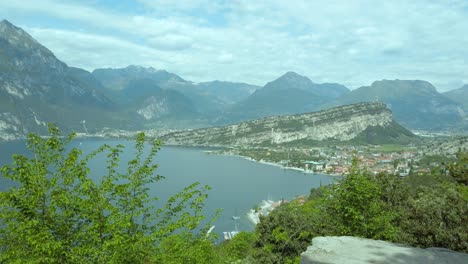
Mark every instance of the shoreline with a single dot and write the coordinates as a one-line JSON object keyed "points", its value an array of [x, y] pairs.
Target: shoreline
{"points": [[272, 164], [209, 152]]}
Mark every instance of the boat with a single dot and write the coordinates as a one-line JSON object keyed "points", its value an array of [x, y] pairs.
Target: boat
{"points": [[231, 234], [264, 208], [236, 216], [209, 231]]}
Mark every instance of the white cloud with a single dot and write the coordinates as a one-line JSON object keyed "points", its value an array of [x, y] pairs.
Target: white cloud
{"points": [[186, 5], [91, 51], [225, 57], [171, 42], [351, 42]]}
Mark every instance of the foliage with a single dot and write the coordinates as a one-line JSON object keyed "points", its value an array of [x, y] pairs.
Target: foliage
{"points": [[187, 248], [58, 214], [459, 168], [284, 234], [355, 208], [435, 216], [238, 248], [420, 210]]}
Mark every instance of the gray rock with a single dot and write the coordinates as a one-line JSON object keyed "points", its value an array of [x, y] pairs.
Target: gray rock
{"points": [[354, 250]]}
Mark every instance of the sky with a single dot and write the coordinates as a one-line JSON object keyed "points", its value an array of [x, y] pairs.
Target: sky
{"points": [[352, 42]]}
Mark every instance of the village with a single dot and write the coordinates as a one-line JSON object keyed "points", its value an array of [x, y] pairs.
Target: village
{"points": [[336, 160]]}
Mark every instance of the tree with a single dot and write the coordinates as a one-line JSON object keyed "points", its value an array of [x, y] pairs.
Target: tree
{"points": [[354, 207], [459, 168], [58, 214], [436, 216], [238, 248], [187, 248], [284, 233]]}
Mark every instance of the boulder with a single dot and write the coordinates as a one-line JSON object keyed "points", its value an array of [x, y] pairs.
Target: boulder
{"points": [[354, 250]]}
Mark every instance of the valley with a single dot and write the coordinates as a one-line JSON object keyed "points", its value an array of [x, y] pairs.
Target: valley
{"points": [[214, 132]]}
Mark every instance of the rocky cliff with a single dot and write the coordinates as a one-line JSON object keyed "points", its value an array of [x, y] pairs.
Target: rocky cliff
{"points": [[366, 122], [415, 103]]}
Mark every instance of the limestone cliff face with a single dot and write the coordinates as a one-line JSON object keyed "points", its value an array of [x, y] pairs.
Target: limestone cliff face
{"points": [[336, 124]]}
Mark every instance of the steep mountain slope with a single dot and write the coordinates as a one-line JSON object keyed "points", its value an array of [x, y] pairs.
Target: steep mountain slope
{"points": [[228, 92], [364, 123], [206, 104], [459, 95], [36, 87], [415, 104], [289, 94], [152, 103], [118, 79]]}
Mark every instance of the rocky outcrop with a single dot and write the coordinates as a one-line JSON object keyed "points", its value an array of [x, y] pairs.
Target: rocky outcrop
{"points": [[337, 124], [415, 103], [354, 250]]}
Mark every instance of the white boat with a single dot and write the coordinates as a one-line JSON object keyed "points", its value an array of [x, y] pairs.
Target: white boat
{"points": [[231, 234], [236, 216], [264, 208], [209, 231]]}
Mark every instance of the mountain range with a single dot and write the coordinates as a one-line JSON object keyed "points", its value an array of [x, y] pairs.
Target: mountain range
{"points": [[37, 88], [459, 95], [415, 104], [289, 94]]}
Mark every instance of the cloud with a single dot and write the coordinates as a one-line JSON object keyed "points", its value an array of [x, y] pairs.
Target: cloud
{"points": [[225, 57], [90, 51], [186, 5], [351, 42], [171, 42]]}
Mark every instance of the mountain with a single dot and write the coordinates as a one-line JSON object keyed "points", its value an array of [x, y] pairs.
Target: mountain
{"points": [[459, 95], [228, 92], [206, 104], [415, 104], [289, 94], [36, 87], [152, 103], [118, 79], [370, 123]]}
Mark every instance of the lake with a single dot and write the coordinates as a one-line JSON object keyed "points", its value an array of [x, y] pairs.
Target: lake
{"points": [[237, 184]]}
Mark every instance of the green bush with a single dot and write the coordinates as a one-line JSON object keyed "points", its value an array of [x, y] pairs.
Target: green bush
{"points": [[238, 248], [58, 214], [354, 207]]}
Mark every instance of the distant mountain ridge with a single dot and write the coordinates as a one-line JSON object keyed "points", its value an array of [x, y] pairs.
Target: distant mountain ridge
{"points": [[118, 79], [291, 93], [459, 95], [153, 103], [36, 88], [370, 123], [228, 92], [415, 104], [206, 98]]}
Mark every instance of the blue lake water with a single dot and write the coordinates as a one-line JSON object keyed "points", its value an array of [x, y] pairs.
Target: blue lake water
{"points": [[237, 183]]}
